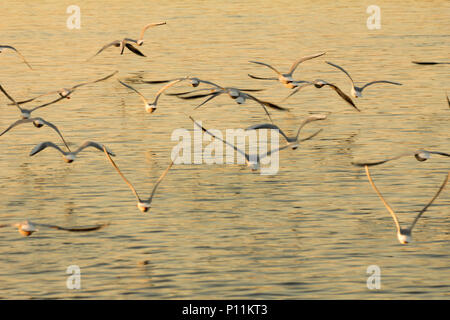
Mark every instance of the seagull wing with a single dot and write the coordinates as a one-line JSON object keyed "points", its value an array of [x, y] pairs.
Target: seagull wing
{"points": [[121, 174], [19, 54], [296, 63], [267, 65], [429, 203], [159, 181], [388, 207], [298, 89], [92, 144], [130, 87], [164, 88], [76, 229], [379, 81], [134, 50], [216, 137], [51, 102], [95, 81], [311, 118], [115, 43], [41, 146], [368, 164], [141, 36], [342, 69], [10, 98], [261, 78], [343, 95], [268, 126]]}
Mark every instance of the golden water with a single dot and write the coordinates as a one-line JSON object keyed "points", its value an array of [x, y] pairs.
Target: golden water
{"points": [[221, 231]]}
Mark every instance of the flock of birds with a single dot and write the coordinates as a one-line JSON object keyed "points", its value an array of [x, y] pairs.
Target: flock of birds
{"points": [[211, 91]]}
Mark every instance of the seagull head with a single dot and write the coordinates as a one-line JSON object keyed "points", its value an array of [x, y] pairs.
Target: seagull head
{"points": [[422, 155], [26, 228], [38, 123], [404, 236], [194, 82], [150, 108], [356, 92], [144, 206], [69, 158], [25, 114], [140, 42]]}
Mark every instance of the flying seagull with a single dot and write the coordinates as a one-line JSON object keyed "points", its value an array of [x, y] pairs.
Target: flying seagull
{"points": [[27, 228], [321, 83], [67, 156], [420, 155], [286, 78], [151, 107], [3, 47], [143, 204], [26, 113], [127, 42], [357, 91], [404, 236], [38, 123], [66, 92], [253, 161], [429, 62], [292, 141]]}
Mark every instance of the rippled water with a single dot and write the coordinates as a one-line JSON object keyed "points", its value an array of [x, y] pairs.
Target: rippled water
{"points": [[222, 231]]}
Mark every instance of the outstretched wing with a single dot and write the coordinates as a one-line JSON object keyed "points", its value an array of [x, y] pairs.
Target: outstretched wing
{"points": [[115, 43], [41, 146], [141, 36], [268, 126], [19, 54], [76, 229], [343, 95], [216, 137], [10, 98], [431, 201], [267, 65], [261, 78], [380, 81], [159, 181], [130, 87], [296, 63], [95, 145], [342, 69], [95, 81], [121, 174], [134, 50]]}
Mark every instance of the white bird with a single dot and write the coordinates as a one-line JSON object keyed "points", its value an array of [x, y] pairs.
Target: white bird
{"points": [[151, 107], [27, 228], [319, 84], [143, 204], [357, 91], [127, 42], [420, 155], [252, 161], [404, 236], [67, 156], [236, 94], [286, 78], [38, 123], [26, 113], [66, 92], [292, 141], [3, 47]]}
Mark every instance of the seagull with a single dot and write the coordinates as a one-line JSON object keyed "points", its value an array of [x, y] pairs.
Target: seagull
{"points": [[404, 236], [236, 94], [26, 113], [67, 156], [319, 84], [27, 228], [151, 107], [420, 155], [293, 142], [252, 161], [127, 42], [66, 92], [3, 47], [429, 62], [38, 123], [286, 78], [357, 91], [143, 204]]}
